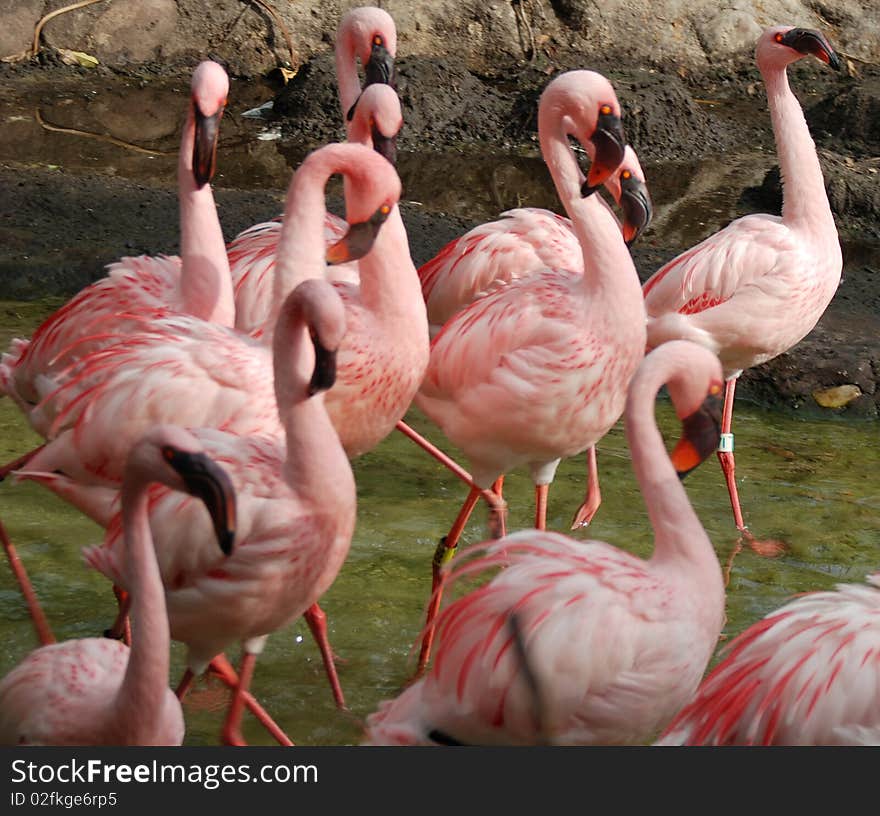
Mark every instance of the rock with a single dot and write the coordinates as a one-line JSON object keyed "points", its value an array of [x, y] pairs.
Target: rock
{"points": [[837, 397], [19, 19]]}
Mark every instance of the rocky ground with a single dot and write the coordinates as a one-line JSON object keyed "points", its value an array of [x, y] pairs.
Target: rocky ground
{"points": [[682, 100]]}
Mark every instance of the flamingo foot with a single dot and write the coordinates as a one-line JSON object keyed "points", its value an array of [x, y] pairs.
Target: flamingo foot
{"points": [[585, 513], [768, 548], [15, 464]]}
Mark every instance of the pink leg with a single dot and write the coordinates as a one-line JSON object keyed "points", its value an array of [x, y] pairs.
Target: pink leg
{"points": [[222, 668], [317, 621], [728, 466], [541, 492], [593, 498], [442, 556], [497, 509], [44, 632], [15, 464], [231, 734]]}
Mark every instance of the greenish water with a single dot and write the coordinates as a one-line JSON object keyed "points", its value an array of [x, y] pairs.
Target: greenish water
{"points": [[814, 484]]}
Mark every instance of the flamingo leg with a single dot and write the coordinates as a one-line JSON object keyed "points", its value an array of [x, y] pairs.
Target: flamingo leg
{"points": [[41, 624], [541, 492], [497, 509], [728, 467], [593, 497], [442, 555], [15, 464], [317, 621], [231, 734]]}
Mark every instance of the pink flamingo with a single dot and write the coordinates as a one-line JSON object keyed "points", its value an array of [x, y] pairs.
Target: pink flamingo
{"points": [[521, 242], [804, 675], [538, 369], [617, 643], [760, 285], [198, 282], [95, 691], [296, 505]]}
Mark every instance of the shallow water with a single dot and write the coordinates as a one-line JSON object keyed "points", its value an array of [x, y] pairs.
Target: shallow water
{"points": [[813, 484]]}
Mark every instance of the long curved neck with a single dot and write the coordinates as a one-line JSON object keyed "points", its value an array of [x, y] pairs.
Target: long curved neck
{"points": [[205, 277], [316, 465], [389, 282], [608, 267], [141, 696], [805, 203], [346, 73], [678, 533]]}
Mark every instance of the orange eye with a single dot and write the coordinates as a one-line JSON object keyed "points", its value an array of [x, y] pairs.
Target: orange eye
{"points": [[384, 209], [626, 174], [168, 453], [715, 390], [778, 38], [605, 110], [377, 40]]}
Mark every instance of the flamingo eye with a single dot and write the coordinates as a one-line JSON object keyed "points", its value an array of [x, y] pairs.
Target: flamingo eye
{"points": [[377, 40], [384, 209], [715, 389], [626, 175], [372, 122], [168, 453], [778, 38], [605, 110]]}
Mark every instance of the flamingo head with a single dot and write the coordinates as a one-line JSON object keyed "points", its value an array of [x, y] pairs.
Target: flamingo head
{"points": [[697, 394], [377, 120], [628, 188], [782, 45], [174, 457], [370, 35], [210, 88]]}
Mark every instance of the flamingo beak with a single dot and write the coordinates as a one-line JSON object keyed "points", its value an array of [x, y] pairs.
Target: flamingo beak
{"points": [[206, 480], [379, 69], [324, 375], [609, 142], [701, 432], [385, 146], [637, 208], [358, 241], [810, 41], [205, 146]]}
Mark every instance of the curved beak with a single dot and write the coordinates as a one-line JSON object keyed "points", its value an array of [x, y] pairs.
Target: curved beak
{"points": [[700, 434], [358, 241], [324, 375], [385, 146], [810, 41], [206, 480], [205, 146], [637, 208], [609, 142], [379, 69]]}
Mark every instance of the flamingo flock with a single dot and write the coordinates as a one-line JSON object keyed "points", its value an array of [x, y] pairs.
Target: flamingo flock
{"points": [[206, 409]]}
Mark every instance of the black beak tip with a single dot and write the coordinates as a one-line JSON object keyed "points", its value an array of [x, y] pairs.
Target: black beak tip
{"points": [[587, 189], [226, 539]]}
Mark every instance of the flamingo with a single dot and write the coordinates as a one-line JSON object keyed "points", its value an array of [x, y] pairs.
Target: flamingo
{"points": [[804, 675], [522, 241], [760, 285], [617, 644], [198, 282], [538, 369], [296, 505], [95, 691]]}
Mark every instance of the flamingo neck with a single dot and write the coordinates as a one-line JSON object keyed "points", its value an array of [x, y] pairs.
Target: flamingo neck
{"points": [[346, 73], [805, 202], [141, 696], [679, 536], [316, 466], [205, 277], [389, 282]]}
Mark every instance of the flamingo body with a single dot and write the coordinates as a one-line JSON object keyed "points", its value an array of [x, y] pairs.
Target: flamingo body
{"points": [[807, 674]]}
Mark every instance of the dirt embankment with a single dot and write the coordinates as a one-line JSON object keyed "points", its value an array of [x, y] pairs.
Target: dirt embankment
{"points": [[469, 78]]}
